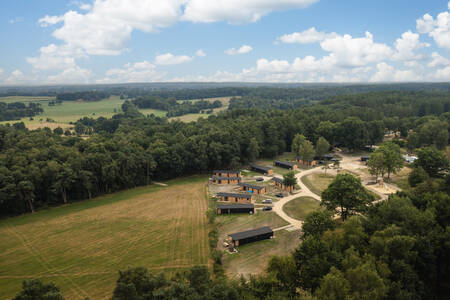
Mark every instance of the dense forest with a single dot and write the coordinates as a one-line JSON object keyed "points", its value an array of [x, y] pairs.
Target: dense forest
{"points": [[41, 168], [84, 96], [18, 110], [175, 108]]}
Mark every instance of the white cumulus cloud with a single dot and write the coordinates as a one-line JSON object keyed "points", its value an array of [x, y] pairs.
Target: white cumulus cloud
{"points": [[307, 36], [237, 11], [170, 59], [242, 50], [438, 29], [438, 61], [407, 45], [138, 72]]}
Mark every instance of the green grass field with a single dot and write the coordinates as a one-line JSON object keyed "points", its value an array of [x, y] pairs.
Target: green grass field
{"points": [[299, 208], [253, 258], [80, 247], [12, 99]]}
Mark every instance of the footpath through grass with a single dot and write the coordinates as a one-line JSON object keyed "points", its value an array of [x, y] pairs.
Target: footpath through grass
{"points": [[80, 247]]}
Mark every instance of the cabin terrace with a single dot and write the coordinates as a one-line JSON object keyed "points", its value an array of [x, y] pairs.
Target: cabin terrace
{"points": [[226, 173], [280, 184], [306, 162], [265, 170], [250, 236], [226, 180], [252, 188], [235, 208], [234, 197], [285, 164]]}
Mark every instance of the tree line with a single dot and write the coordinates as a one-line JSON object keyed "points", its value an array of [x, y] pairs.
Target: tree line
{"points": [[18, 110], [85, 96], [175, 108]]}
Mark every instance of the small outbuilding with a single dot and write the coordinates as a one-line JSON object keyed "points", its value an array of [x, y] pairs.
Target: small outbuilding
{"points": [[279, 182], [235, 208], [226, 180], [306, 162], [285, 164], [235, 197], [365, 158], [226, 173], [250, 236], [261, 169], [252, 188]]}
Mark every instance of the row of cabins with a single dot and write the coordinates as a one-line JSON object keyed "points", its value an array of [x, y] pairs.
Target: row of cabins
{"points": [[226, 177], [234, 197]]}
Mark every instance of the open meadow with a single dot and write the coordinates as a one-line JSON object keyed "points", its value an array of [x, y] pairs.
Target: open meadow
{"points": [[81, 246]]}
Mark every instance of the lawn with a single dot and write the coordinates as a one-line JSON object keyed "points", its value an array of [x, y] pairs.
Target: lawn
{"points": [[12, 99], [80, 247], [253, 258], [194, 117], [317, 182], [299, 208]]}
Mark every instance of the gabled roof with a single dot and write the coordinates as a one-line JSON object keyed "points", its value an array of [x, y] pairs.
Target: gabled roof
{"points": [[300, 158], [226, 178], [234, 195], [285, 163], [250, 233], [279, 180], [234, 206], [253, 186], [227, 171], [262, 168]]}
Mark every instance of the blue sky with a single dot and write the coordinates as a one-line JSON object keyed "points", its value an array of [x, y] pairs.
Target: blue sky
{"points": [[111, 41]]}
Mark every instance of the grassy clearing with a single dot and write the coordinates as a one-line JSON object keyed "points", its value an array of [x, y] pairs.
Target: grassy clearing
{"points": [[317, 182], [299, 208], [252, 258], [194, 117], [80, 247], [12, 99]]}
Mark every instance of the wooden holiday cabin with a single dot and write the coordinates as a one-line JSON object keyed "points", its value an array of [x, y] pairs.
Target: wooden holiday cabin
{"points": [[226, 180], [279, 182], [226, 173], [285, 164], [306, 162], [268, 171], [235, 197], [235, 208], [252, 188], [250, 236]]}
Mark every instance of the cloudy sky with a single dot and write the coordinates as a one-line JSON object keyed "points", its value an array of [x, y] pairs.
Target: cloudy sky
{"points": [[112, 41]]}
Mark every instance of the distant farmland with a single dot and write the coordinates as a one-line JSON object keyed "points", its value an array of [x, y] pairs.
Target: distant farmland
{"points": [[80, 247]]}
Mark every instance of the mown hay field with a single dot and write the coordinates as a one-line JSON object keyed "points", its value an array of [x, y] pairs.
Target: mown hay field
{"points": [[81, 246]]}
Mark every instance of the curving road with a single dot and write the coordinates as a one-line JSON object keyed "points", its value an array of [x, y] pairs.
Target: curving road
{"points": [[278, 206]]}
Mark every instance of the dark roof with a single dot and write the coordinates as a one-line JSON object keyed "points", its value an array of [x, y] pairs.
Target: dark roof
{"points": [[253, 186], [227, 171], [234, 205], [328, 156], [280, 180], [226, 178], [250, 233], [299, 157], [234, 195], [285, 163], [265, 169]]}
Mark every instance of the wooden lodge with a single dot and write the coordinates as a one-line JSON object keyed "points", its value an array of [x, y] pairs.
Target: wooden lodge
{"points": [[250, 236], [279, 182], [226, 180], [285, 164], [252, 188], [235, 208], [268, 171], [306, 162], [234, 197], [226, 173]]}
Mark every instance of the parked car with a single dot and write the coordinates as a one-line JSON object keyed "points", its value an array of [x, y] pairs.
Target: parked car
{"points": [[259, 179], [267, 201], [279, 195], [267, 208]]}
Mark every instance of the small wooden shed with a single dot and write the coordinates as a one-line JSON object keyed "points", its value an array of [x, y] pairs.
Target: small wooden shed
{"points": [[252, 188], [250, 236]]}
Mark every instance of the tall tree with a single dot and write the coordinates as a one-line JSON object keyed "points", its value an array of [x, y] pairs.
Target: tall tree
{"points": [[322, 147], [376, 164], [346, 196], [36, 290], [392, 155], [289, 179], [432, 161], [298, 140], [306, 150]]}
